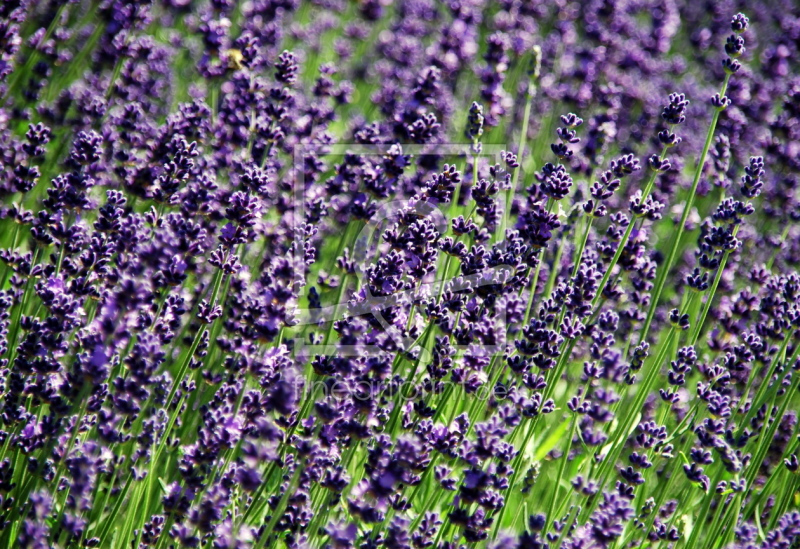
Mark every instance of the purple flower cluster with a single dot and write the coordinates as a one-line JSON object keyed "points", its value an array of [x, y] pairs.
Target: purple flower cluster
{"points": [[250, 298]]}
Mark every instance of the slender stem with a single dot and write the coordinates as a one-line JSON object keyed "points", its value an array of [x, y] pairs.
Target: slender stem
{"points": [[701, 320], [562, 467], [678, 232], [550, 205], [15, 323], [582, 247], [523, 136], [765, 383], [516, 464], [20, 74], [774, 255], [701, 517], [622, 243], [278, 512], [551, 279], [534, 284]]}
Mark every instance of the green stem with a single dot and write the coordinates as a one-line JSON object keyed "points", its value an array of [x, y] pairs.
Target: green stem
{"points": [[115, 511], [19, 75], [15, 323], [278, 512], [516, 464], [765, 383], [699, 525], [582, 247], [774, 255], [562, 467], [678, 232], [523, 136], [622, 243], [720, 269], [550, 206]]}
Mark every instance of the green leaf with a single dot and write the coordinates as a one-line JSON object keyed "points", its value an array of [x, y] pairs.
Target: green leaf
{"points": [[551, 441]]}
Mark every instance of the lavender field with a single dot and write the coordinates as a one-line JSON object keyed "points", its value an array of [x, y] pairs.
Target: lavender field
{"points": [[447, 274]]}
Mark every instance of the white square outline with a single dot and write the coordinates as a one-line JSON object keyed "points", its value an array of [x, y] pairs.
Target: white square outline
{"points": [[340, 149]]}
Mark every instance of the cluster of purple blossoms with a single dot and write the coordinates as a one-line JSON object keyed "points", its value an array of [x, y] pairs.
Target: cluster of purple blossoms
{"points": [[324, 274]]}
